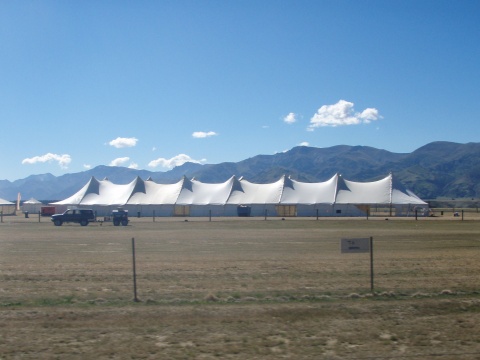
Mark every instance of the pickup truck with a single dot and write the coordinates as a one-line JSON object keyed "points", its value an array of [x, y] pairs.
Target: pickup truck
{"points": [[79, 216]]}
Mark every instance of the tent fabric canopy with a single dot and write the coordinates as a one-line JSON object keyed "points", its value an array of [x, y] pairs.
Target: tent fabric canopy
{"points": [[5, 202], [376, 192], [251, 193], [234, 191], [296, 192]]}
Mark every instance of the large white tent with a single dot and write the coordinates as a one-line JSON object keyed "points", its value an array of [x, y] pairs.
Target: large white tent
{"points": [[284, 197]]}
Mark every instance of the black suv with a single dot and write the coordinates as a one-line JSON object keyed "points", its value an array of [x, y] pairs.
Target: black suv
{"points": [[80, 216]]}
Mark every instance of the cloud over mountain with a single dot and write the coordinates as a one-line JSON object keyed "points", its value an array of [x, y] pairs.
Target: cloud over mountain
{"points": [[341, 114], [62, 160], [177, 160]]}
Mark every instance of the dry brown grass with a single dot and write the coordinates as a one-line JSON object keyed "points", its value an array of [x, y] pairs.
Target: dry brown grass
{"points": [[241, 289]]}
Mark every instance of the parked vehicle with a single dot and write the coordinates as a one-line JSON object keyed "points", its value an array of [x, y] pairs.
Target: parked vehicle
{"points": [[79, 216], [120, 216]]}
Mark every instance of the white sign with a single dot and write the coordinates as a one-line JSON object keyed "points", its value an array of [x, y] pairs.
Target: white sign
{"points": [[361, 245]]}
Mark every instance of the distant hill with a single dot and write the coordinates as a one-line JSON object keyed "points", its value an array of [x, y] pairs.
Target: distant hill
{"points": [[436, 170]]}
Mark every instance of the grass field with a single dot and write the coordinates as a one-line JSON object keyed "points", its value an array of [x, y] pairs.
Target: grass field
{"points": [[240, 289]]}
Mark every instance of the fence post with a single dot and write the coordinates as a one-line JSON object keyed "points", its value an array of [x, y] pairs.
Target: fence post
{"points": [[135, 298], [371, 265]]}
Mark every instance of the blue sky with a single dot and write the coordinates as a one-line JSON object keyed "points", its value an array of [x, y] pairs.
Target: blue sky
{"points": [[151, 84]]}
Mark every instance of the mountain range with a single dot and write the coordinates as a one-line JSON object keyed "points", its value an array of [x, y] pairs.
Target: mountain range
{"points": [[436, 170]]}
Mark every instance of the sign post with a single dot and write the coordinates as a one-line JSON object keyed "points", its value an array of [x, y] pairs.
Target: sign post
{"points": [[360, 245]]}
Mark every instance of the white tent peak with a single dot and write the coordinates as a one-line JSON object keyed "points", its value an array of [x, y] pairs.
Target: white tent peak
{"points": [[186, 183], [236, 184], [93, 186], [32, 201], [288, 182], [139, 185]]}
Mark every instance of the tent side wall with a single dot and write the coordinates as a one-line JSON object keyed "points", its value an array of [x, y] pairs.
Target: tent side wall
{"points": [[321, 210], [408, 210], [32, 208], [138, 210], [207, 210], [8, 209], [263, 210]]}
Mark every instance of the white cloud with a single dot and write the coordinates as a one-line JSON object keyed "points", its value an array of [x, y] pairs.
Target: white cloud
{"points": [[203, 134], [369, 115], [290, 118], [63, 160], [340, 114], [119, 161], [305, 143], [133, 166], [87, 166], [174, 161], [120, 142]]}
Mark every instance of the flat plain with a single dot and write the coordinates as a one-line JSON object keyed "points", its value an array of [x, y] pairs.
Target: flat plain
{"points": [[240, 288]]}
